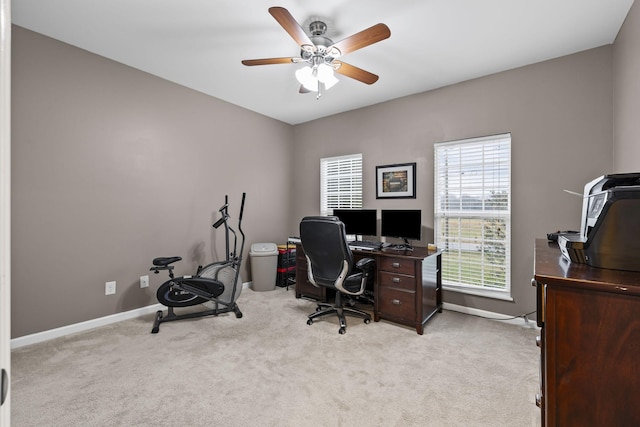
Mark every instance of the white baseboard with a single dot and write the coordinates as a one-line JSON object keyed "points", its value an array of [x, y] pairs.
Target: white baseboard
{"points": [[519, 321], [83, 326], [89, 324]]}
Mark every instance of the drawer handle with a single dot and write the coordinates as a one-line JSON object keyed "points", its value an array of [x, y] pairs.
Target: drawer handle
{"points": [[396, 280], [396, 264], [396, 302]]}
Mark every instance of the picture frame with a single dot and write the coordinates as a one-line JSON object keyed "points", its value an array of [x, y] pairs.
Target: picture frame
{"points": [[396, 181]]}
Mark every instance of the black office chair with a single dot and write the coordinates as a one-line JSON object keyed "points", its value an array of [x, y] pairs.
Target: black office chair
{"points": [[330, 264]]}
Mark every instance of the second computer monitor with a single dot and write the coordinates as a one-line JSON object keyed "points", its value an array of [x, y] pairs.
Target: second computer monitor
{"points": [[361, 222], [403, 224]]}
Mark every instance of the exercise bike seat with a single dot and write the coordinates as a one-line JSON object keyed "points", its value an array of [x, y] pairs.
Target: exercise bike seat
{"points": [[165, 261]]}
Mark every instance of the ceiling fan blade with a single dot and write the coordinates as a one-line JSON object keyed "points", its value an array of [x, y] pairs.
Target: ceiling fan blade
{"points": [[359, 40], [292, 27], [303, 89], [268, 61], [355, 72]]}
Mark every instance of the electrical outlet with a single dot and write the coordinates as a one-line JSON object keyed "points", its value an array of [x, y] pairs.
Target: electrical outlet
{"points": [[110, 288], [144, 281]]}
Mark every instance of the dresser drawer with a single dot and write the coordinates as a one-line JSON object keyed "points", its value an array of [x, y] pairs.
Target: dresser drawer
{"points": [[397, 303], [398, 265], [396, 280]]}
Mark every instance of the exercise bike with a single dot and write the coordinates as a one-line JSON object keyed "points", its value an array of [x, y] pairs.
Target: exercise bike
{"points": [[217, 285]]}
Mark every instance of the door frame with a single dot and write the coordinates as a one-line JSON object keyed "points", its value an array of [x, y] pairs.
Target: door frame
{"points": [[5, 202]]}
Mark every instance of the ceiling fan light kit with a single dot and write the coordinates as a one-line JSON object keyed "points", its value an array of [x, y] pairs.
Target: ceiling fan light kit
{"points": [[320, 54], [312, 77]]}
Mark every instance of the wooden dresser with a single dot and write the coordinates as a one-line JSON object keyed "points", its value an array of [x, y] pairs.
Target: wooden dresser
{"points": [[589, 341], [407, 285]]}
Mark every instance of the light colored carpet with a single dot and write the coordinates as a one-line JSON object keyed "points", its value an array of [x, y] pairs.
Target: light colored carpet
{"points": [[270, 368]]}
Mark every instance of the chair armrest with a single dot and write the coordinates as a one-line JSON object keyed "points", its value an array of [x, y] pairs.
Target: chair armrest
{"points": [[356, 282], [366, 265]]}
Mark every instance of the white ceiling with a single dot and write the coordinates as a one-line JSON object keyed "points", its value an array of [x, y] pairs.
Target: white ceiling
{"points": [[433, 43]]}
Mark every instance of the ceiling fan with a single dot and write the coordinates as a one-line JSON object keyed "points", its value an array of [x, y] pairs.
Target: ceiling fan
{"points": [[320, 54]]}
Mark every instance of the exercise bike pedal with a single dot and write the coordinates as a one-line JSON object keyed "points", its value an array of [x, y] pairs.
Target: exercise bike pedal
{"points": [[202, 287]]}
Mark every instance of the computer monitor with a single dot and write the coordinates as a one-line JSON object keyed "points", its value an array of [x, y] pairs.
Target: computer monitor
{"points": [[403, 224], [361, 222]]}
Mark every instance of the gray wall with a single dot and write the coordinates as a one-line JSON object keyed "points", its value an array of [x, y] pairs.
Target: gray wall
{"points": [[626, 66], [559, 113], [113, 167]]}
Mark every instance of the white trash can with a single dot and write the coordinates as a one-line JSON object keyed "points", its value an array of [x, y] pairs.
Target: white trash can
{"points": [[264, 266]]}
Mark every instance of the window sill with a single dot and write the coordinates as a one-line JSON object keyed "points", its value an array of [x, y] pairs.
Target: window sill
{"points": [[479, 292]]}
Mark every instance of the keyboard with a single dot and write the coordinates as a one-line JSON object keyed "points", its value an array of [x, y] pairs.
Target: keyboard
{"points": [[365, 244]]}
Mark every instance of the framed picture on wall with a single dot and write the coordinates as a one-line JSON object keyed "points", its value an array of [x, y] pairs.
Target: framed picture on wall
{"points": [[396, 181]]}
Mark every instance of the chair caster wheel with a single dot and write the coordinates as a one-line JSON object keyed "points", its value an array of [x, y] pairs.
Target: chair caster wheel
{"points": [[309, 322], [342, 331], [367, 321]]}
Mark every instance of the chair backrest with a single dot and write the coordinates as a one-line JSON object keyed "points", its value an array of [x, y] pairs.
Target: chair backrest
{"points": [[324, 242]]}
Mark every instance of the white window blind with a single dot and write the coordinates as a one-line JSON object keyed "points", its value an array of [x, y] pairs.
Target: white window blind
{"points": [[473, 214], [340, 183]]}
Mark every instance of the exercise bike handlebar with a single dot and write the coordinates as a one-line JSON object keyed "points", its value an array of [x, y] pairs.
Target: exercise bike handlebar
{"points": [[239, 254], [221, 221], [244, 196]]}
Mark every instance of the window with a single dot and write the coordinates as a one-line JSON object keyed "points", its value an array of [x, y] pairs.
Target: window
{"points": [[340, 183], [473, 214]]}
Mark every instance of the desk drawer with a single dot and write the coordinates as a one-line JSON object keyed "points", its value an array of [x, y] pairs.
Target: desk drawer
{"points": [[395, 280], [304, 288], [398, 265], [397, 303], [301, 259]]}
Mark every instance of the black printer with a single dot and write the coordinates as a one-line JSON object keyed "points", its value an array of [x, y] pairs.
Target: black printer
{"points": [[609, 234]]}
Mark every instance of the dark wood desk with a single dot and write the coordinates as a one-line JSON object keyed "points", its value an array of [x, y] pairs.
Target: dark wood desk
{"points": [[407, 285], [590, 342]]}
